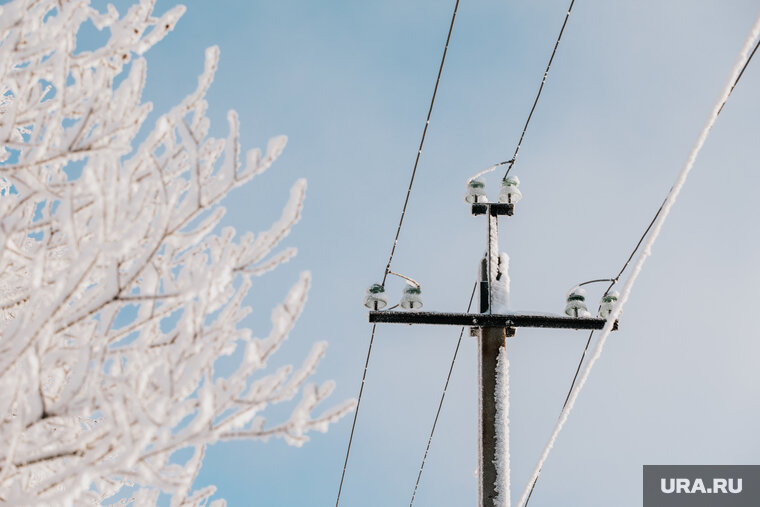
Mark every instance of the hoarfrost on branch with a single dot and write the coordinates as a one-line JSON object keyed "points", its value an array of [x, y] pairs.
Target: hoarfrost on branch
{"points": [[116, 296]]}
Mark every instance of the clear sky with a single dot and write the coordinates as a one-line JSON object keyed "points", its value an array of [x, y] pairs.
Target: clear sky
{"points": [[349, 82]]}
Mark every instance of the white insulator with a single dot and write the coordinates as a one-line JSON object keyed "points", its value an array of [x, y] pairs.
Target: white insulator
{"points": [[576, 303], [476, 192], [608, 303], [509, 192], [376, 298], [412, 298]]}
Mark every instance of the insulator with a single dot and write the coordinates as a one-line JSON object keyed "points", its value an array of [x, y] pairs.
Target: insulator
{"points": [[476, 192], [608, 303], [576, 303], [412, 298], [509, 192], [376, 298]]}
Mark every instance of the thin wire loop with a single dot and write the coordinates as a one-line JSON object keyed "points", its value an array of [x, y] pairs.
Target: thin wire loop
{"points": [[410, 280], [595, 281], [488, 170]]}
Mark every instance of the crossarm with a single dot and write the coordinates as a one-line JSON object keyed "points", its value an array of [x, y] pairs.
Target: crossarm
{"points": [[489, 320]]}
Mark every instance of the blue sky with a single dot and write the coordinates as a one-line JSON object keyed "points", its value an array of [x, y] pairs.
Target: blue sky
{"points": [[350, 83]]}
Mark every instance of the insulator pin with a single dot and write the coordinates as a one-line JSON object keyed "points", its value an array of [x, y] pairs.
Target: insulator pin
{"points": [[576, 303], [412, 298], [376, 299], [476, 192], [509, 192], [609, 300]]}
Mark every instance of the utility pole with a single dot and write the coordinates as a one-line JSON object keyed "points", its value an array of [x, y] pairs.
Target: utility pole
{"points": [[492, 330]]}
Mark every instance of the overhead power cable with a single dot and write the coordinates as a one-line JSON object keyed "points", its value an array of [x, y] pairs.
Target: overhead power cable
{"points": [[744, 57], [356, 413], [612, 281], [540, 89], [440, 404], [422, 142], [395, 243], [630, 257]]}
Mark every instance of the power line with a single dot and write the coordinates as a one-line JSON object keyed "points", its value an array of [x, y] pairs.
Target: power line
{"points": [[356, 413], [422, 141], [440, 404], [630, 257], [612, 281], [540, 89], [395, 243]]}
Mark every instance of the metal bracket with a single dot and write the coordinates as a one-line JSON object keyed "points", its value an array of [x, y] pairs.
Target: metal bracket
{"points": [[493, 208]]}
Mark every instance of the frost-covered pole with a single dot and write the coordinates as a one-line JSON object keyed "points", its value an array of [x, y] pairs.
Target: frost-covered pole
{"points": [[493, 463]]}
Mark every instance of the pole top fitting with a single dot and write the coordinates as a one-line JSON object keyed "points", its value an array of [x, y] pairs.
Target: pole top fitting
{"points": [[493, 208]]}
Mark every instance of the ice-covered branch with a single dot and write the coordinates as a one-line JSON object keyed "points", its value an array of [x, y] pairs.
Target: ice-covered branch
{"points": [[118, 293]]}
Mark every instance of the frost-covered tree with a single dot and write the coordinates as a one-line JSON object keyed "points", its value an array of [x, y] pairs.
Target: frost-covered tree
{"points": [[117, 295]]}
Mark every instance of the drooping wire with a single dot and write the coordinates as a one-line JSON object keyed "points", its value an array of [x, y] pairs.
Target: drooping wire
{"points": [[422, 142], [630, 257], [540, 89], [440, 404], [393, 249]]}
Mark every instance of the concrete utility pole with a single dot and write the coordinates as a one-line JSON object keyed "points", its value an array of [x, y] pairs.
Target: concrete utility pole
{"points": [[492, 330]]}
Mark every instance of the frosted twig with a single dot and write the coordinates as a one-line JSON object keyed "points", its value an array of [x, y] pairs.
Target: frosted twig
{"points": [[117, 296]]}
